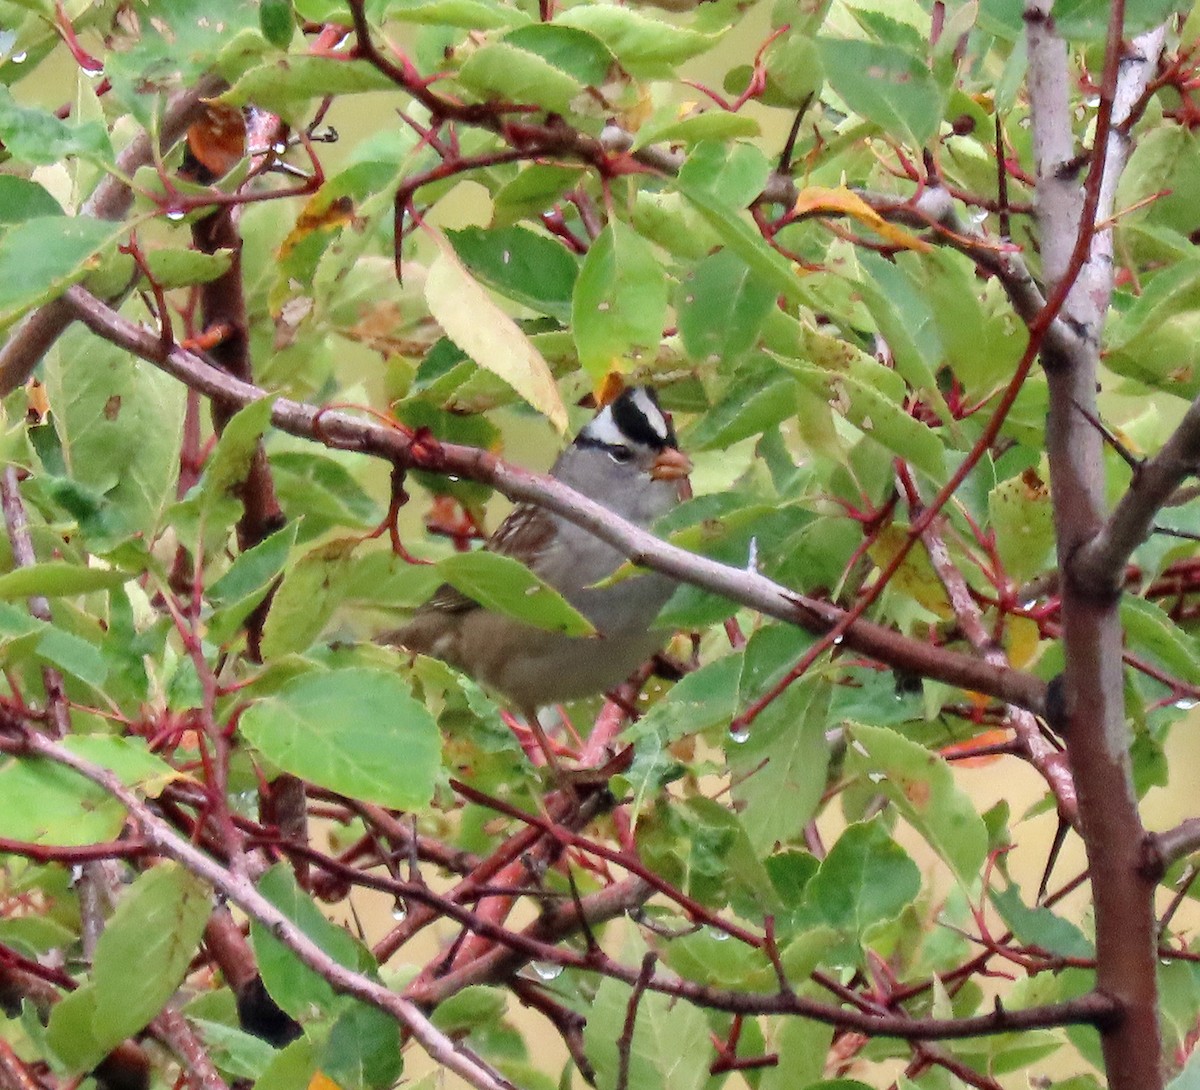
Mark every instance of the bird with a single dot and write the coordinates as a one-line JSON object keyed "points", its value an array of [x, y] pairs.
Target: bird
{"points": [[626, 458]]}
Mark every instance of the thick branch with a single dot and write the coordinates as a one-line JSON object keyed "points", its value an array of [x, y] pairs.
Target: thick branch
{"points": [[340, 430], [1099, 565]]}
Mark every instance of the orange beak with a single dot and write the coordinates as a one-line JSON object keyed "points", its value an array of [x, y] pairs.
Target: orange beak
{"points": [[671, 465]]}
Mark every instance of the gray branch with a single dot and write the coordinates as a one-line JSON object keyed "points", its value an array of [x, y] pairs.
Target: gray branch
{"points": [[344, 431]]}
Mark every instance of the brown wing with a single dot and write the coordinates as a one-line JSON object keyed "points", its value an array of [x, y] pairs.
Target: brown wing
{"points": [[525, 532]]}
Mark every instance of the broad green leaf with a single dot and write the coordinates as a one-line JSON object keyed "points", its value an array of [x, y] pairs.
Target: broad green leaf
{"points": [[733, 176], [528, 268], [120, 422], [533, 191], [235, 1052], [254, 569], [72, 654], [363, 1049], [620, 303], [802, 1045], [761, 396], [43, 256], [1040, 926], [57, 578], [36, 136], [73, 1033], [505, 585], [47, 803], [468, 14], [503, 71], [21, 199], [298, 989], [1023, 522], [878, 416], [129, 758], [710, 125], [286, 85], [783, 753], [292, 1067], [865, 879], [885, 85], [646, 47], [227, 466], [306, 599], [922, 788], [277, 22], [580, 54], [1151, 632], [722, 306], [730, 224], [489, 336], [337, 730], [146, 947], [670, 1048]]}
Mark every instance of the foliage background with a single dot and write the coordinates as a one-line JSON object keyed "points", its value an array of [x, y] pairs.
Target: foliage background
{"points": [[833, 325]]}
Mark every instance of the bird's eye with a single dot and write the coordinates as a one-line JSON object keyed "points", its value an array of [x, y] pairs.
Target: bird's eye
{"points": [[620, 455]]}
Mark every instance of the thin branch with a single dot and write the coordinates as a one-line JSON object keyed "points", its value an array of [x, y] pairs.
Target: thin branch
{"points": [[238, 890]]}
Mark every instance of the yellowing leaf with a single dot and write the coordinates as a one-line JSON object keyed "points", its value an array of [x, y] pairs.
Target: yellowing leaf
{"points": [[841, 201], [915, 577], [321, 1081], [1021, 641], [490, 337]]}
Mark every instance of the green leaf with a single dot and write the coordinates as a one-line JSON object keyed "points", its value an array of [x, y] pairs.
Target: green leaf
{"points": [[73, 1033], [21, 199], [468, 14], [761, 396], [580, 54], [56, 578], [730, 224], [505, 585], [73, 655], [670, 1047], [489, 336], [129, 759], [722, 306], [306, 599], [620, 302], [235, 1052], [885, 85], [1150, 631], [286, 85], [500, 71], [922, 788], [293, 985], [146, 947], [1023, 522], [228, 465], [47, 803], [783, 753], [37, 137], [646, 47], [41, 257], [337, 730], [528, 268], [880, 417], [119, 421], [711, 125], [363, 1049], [277, 22], [532, 191], [865, 879]]}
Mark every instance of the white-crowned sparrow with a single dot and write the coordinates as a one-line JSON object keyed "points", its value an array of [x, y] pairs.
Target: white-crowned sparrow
{"points": [[626, 458]]}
